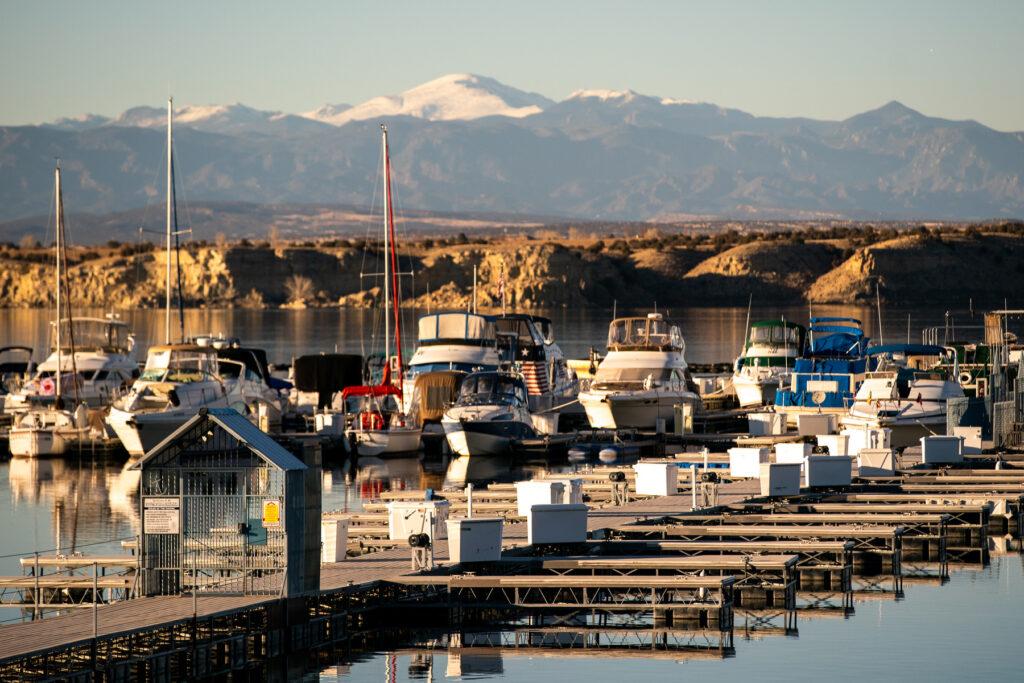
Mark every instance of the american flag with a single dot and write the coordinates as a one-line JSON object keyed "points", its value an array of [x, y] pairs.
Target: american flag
{"points": [[501, 287], [535, 373]]}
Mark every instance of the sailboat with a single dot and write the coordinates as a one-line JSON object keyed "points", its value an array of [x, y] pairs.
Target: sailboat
{"points": [[49, 429], [375, 419], [181, 377]]}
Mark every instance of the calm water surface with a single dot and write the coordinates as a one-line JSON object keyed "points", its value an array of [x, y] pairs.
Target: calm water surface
{"points": [[967, 628]]}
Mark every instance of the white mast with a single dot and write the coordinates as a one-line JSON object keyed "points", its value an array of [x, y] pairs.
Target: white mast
{"points": [[59, 240], [170, 190], [387, 251]]}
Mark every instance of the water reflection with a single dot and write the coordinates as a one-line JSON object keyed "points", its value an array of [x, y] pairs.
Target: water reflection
{"points": [[712, 334]]}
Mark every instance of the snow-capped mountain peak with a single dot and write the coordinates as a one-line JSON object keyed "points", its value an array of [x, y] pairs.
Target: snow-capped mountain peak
{"points": [[454, 96], [604, 95]]}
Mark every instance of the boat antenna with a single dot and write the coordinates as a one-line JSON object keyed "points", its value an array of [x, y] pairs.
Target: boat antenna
{"points": [[878, 305], [908, 328], [177, 252], [169, 226], [746, 328], [474, 289], [785, 340], [615, 308]]}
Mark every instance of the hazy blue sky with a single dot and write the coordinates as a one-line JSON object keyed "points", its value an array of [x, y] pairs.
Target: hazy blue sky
{"points": [[820, 59]]}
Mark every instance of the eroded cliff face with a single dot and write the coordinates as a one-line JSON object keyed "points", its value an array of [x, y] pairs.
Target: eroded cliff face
{"points": [[925, 269], [909, 269]]}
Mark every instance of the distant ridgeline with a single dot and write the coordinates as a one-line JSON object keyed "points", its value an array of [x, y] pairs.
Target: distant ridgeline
{"points": [[919, 266]]}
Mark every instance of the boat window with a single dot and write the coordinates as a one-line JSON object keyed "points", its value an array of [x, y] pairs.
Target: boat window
{"points": [[624, 375], [101, 375], [87, 375], [524, 330]]}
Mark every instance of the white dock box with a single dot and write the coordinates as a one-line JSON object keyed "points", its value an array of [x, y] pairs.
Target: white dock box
{"points": [[828, 470], [656, 478], [333, 540], [572, 490], [938, 450], [780, 479], [408, 517], [873, 437], [474, 540], [766, 424], [972, 439], [746, 462], [788, 453], [876, 462], [837, 444], [557, 524], [811, 424], [537, 492]]}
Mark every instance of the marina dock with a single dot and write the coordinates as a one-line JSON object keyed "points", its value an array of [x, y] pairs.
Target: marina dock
{"points": [[693, 572]]}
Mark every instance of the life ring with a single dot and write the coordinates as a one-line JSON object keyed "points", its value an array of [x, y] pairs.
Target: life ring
{"points": [[965, 377], [47, 386], [371, 420]]}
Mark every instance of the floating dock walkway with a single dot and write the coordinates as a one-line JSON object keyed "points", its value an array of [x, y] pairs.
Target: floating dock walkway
{"points": [[694, 573]]}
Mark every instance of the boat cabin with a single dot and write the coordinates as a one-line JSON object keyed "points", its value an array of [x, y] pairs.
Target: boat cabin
{"points": [[651, 333], [464, 342], [519, 338], [491, 388], [180, 363], [106, 335]]}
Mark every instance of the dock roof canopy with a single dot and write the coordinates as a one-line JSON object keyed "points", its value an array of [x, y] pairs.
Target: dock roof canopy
{"points": [[237, 426]]}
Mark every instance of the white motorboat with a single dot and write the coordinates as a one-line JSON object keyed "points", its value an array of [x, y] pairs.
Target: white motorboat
{"points": [[907, 392], [100, 368], [178, 380], [526, 345], [769, 355], [491, 415], [642, 378]]}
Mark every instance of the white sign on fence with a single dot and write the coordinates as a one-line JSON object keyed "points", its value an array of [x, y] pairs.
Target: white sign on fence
{"points": [[161, 515]]}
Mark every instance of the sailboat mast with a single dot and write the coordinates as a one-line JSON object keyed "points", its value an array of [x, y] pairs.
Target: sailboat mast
{"points": [[58, 241], [170, 189], [387, 245], [391, 256]]}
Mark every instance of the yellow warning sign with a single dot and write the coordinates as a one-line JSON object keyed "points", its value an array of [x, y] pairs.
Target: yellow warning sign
{"points": [[271, 513]]}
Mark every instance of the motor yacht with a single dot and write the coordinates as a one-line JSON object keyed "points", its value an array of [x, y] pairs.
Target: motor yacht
{"points": [[491, 415], [642, 378], [906, 392], [769, 355]]}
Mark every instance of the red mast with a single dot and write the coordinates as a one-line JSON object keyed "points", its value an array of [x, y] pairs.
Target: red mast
{"points": [[393, 255]]}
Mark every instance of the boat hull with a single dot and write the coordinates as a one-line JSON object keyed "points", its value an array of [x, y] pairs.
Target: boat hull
{"points": [[638, 410], [495, 437], [140, 432], [382, 443], [36, 442], [752, 392]]}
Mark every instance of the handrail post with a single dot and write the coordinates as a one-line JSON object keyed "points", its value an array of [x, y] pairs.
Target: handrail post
{"points": [[95, 600], [35, 595]]}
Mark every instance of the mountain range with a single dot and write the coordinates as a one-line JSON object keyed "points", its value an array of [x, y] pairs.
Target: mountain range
{"points": [[467, 143]]}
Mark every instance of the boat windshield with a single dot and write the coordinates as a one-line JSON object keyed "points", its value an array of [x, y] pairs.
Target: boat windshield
{"points": [[166, 365], [91, 334], [644, 332], [775, 335], [491, 388], [632, 378], [524, 330]]}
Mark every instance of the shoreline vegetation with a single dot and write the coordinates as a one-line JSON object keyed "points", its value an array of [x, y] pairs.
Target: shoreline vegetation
{"points": [[939, 264]]}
